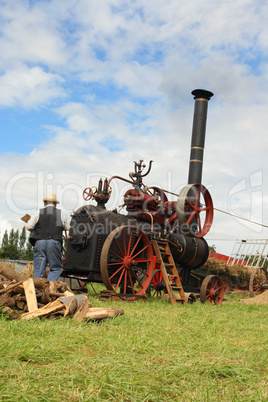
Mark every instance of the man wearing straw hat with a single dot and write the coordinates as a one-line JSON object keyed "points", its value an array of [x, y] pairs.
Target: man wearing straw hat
{"points": [[47, 225]]}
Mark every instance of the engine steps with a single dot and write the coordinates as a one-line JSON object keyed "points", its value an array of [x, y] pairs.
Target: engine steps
{"points": [[169, 272]]}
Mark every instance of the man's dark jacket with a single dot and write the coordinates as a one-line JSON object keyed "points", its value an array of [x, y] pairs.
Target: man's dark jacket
{"points": [[49, 225]]}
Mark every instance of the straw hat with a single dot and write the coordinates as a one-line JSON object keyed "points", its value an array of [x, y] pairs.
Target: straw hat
{"points": [[51, 197]]}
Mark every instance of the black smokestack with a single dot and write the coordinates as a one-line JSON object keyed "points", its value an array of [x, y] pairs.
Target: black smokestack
{"points": [[201, 98]]}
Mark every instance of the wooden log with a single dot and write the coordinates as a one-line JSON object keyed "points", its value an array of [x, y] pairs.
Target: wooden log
{"points": [[44, 311], [7, 301], [68, 293], [81, 311], [41, 283], [57, 314], [12, 314], [30, 295], [52, 287], [80, 300], [11, 274], [19, 289], [10, 287], [70, 304], [62, 287], [57, 294], [70, 310], [45, 298], [20, 304], [98, 313]]}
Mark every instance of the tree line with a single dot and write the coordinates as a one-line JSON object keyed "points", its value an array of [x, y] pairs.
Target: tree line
{"points": [[16, 246]]}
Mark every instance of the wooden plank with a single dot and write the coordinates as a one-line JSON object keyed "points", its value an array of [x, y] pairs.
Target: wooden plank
{"points": [[30, 295], [26, 218]]}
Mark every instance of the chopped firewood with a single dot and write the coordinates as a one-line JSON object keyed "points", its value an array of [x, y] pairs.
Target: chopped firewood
{"points": [[98, 313], [57, 294], [9, 287], [20, 304], [41, 283], [80, 298], [76, 305], [44, 311], [68, 293], [70, 304], [81, 311], [70, 309], [11, 274], [52, 287], [11, 313], [30, 294], [19, 288], [7, 301], [62, 287], [40, 298], [45, 297]]}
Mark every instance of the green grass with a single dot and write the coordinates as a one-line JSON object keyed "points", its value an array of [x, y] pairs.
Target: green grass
{"points": [[155, 352]]}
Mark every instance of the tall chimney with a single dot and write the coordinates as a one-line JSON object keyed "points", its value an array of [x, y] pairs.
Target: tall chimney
{"points": [[201, 98]]}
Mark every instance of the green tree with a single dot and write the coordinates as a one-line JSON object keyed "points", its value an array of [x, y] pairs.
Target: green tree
{"points": [[13, 245], [5, 239], [29, 252], [22, 241]]}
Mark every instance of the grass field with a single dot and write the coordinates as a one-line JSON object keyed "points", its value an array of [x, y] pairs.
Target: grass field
{"points": [[154, 352]]}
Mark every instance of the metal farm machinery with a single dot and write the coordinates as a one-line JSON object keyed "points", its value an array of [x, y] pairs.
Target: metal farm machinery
{"points": [[156, 244]]}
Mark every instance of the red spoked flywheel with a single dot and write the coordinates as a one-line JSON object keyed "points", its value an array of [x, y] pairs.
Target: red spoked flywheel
{"points": [[195, 210]]}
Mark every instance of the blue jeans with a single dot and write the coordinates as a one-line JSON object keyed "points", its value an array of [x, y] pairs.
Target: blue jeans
{"points": [[47, 252]]}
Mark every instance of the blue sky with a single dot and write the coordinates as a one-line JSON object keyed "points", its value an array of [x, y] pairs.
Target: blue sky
{"points": [[87, 87]]}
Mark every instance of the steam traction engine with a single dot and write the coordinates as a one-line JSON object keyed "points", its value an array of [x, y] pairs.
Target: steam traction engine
{"points": [[146, 248]]}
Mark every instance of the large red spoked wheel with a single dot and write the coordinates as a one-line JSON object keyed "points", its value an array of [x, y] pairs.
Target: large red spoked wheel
{"points": [[195, 210], [258, 282], [127, 261], [157, 286], [212, 290]]}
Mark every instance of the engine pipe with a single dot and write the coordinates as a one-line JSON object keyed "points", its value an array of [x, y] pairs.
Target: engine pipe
{"points": [[201, 98]]}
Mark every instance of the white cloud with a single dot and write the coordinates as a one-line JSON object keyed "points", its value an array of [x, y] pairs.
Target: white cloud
{"points": [[28, 87]]}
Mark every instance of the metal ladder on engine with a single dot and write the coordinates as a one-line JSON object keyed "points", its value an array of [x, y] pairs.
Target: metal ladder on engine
{"points": [[169, 271]]}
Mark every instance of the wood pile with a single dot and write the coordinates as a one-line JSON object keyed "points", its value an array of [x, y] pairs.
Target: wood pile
{"points": [[27, 298]]}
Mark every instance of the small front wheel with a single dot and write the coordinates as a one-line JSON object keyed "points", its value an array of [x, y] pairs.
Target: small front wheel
{"points": [[212, 290]]}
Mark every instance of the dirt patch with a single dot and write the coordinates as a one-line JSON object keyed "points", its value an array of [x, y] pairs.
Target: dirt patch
{"points": [[260, 299]]}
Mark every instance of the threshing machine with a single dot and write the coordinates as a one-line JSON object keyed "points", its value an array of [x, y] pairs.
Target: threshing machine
{"points": [[129, 252]]}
